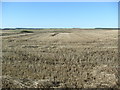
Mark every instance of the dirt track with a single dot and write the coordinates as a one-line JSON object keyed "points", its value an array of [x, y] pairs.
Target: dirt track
{"points": [[61, 58]]}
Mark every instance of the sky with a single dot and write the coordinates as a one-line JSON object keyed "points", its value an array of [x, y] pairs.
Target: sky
{"points": [[59, 15]]}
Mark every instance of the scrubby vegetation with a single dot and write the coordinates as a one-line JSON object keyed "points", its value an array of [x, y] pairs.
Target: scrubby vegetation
{"points": [[26, 31]]}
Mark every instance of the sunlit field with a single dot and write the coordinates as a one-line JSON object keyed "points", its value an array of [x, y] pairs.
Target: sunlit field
{"points": [[60, 58]]}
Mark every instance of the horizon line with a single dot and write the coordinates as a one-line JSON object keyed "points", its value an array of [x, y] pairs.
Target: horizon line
{"points": [[62, 27]]}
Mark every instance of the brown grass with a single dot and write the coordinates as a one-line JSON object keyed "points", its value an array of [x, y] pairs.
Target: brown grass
{"points": [[60, 59]]}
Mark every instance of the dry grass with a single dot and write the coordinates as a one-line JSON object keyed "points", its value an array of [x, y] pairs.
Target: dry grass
{"points": [[60, 58]]}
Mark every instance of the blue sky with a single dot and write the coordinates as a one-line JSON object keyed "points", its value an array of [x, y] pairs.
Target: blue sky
{"points": [[59, 14]]}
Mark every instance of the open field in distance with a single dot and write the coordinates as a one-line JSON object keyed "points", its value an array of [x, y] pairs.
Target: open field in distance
{"points": [[61, 58]]}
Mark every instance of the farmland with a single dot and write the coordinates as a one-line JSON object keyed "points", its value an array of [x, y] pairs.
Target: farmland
{"points": [[60, 58]]}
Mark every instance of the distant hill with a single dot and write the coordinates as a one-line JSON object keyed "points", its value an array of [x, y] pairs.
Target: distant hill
{"points": [[56, 28], [109, 28]]}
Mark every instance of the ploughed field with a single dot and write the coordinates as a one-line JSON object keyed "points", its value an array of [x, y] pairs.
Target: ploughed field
{"points": [[60, 58]]}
